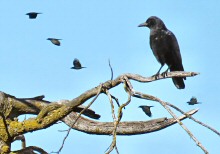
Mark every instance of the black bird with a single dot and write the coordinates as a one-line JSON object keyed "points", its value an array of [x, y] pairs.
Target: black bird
{"points": [[40, 98], [76, 64], [193, 101], [32, 15], [146, 109], [165, 48], [55, 41]]}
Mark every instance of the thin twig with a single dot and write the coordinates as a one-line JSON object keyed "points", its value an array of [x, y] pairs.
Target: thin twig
{"points": [[22, 139], [116, 149], [112, 105], [63, 130], [112, 110], [150, 97], [110, 69], [127, 86], [116, 100], [99, 91], [192, 118]]}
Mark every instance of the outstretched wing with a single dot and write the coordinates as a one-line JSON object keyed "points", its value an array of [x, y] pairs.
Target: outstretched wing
{"points": [[56, 42]]}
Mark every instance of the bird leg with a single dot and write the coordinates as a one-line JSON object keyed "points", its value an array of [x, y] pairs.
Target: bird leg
{"points": [[165, 72], [158, 72]]}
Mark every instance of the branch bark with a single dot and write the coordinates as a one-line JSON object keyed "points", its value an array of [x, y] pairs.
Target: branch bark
{"points": [[124, 128], [49, 113]]}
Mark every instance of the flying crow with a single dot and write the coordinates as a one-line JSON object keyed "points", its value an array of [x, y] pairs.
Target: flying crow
{"points": [[146, 109], [55, 41], [32, 15], [193, 101], [76, 64]]}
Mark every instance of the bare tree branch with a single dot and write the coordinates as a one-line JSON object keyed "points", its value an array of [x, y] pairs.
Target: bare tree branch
{"points": [[192, 118], [164, 104], [116, 100], [100, 89], [30, 150], [124, 128], [127, 87], [22, 139], [110, 69], [111, 147], [50, 113]]}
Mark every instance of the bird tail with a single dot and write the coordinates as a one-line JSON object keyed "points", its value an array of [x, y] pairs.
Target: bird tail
{"points": [[178, 81]]}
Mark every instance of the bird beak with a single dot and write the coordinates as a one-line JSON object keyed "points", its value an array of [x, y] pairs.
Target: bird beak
{"points": [[143, 25]]}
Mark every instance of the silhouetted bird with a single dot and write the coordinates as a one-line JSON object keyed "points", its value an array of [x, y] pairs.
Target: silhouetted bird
{"points": [[193, 101], [165, 48], [32, 15], [76, 64], [88, 112], [41, 97], [146, 109], [55, 41]]}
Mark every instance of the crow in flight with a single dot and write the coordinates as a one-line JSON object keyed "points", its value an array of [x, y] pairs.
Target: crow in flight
{"points": [[55, 41], [76, 64], [146, 109], [32, 15], [193, 101]]}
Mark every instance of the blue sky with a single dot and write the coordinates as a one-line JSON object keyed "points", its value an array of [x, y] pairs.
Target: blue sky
{"points": [[93, 32]]}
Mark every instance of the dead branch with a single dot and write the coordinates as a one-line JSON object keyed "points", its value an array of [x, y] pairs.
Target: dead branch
{"points": [[124, 128], [192, 118], [30, 150], [50, 113], [113, 144], [100, 89], [164, 104], [110, 69], [116, 100], [22, 139], [127, 87]]}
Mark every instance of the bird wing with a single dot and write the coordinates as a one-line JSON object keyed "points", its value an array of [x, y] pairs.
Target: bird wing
{"points": [[148, 112], [156, 46], [173, 45], [55, 41], [76, 63]]}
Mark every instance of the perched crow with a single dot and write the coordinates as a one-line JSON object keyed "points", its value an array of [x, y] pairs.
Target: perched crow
{"points": [[55, 41], [146, 109], [32, 15], [76, 64], [193, 101], [165, 48]]}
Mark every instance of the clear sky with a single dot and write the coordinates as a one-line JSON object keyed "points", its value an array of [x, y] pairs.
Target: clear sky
{"points": [[93, 32]]}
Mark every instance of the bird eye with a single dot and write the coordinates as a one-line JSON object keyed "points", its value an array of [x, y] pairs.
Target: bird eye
{"points": [[152, 22]]}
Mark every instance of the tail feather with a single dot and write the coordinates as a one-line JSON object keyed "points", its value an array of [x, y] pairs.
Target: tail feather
{"points": [[178, 81]]}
